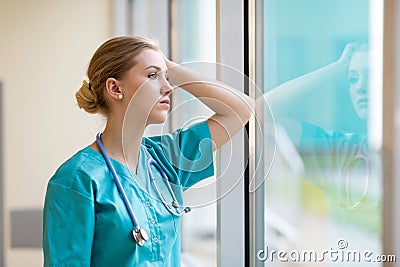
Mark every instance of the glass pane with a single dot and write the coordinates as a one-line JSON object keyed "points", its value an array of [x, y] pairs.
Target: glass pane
{"points": [[193, 32], [323, 194], [191, 28]]}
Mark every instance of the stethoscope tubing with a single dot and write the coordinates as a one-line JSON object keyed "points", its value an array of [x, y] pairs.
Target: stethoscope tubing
{"points": [[359, 156], [150, 160], [175, 205], [117, 181]]}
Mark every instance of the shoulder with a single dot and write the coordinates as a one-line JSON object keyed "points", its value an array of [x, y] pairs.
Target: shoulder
{"points": [[311, 131], [80, 162], [316, 137], [79, 171]]}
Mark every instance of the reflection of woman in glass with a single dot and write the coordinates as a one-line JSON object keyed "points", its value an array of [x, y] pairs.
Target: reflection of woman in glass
{"points": [[340, 163], [286, 97]]}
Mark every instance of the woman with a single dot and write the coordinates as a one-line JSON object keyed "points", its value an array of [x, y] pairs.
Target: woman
{"points": [[285, 98], [336, 151], [86, 221], [340, 163]]}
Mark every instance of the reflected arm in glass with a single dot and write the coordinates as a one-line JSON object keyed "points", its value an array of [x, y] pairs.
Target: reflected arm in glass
{"points": [[284, 98]]}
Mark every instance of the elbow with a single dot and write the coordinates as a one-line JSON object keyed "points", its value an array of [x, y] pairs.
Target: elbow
{"points": [[248, 110], [246, 116]]}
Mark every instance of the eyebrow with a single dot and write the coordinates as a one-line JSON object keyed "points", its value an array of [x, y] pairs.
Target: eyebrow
{"points": [[154, 67]]}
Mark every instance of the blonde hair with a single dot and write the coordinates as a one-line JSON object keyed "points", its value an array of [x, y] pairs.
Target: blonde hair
{"points": [[111, 60]]}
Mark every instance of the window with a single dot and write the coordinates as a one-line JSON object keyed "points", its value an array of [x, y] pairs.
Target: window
{"points": [[324, 190]]}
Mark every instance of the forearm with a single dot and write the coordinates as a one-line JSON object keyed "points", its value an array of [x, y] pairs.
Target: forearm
{"points": [[219, 97], [283, 98]]}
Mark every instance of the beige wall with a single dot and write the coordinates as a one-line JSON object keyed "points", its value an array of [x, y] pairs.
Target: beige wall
{"points": [[44, 51]]}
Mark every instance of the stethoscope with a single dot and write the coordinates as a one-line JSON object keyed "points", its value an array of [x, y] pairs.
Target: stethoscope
{"points": [[347, 172], [139, 234]]}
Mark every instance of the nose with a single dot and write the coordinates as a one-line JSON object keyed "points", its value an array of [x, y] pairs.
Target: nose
{"points": [[362, 85], [166, 87]]}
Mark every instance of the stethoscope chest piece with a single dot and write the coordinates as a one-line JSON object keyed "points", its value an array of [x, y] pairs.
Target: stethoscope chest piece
{"points": [[140, 235]]}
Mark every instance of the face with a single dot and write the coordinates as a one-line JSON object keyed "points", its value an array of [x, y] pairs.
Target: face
{"points": [[147, 86], [358, 80]]}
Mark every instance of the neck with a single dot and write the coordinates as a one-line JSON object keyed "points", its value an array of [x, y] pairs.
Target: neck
{"points": [[122, 141]]}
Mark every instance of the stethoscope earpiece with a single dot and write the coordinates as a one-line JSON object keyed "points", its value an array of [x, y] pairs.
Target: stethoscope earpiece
{"points": [[175, 204], [178, 211]]}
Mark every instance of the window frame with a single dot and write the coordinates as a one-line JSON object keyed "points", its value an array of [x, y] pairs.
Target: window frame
{"points": [[391, 129]]}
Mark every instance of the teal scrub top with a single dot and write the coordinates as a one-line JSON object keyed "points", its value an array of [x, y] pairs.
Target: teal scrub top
{"points": [[85, 222]]}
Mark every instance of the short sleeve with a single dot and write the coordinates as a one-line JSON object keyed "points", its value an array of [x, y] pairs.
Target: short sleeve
{"points": [[317, 140], [190, 153], [327, 152], [68, 227]]}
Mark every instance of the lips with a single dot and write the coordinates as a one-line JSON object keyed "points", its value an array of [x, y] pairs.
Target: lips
{"points": [[165, 101], [362, 102]]}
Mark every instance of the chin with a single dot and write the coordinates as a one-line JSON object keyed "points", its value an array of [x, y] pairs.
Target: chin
{"points": [[363, 114], [157, 120]]}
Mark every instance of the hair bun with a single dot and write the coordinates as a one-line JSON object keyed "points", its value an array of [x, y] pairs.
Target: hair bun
{"points": [[86, 98]]}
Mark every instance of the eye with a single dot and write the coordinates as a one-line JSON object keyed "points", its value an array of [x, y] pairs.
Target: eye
{"points": [[153, 75], [166, 76], [353, 79]]}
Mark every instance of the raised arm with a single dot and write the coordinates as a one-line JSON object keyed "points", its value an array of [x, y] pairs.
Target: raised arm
{"points": [[285, 97], [232, 108]]}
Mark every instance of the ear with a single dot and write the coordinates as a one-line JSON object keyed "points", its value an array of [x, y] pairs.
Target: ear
{"points": [[113, 88]]}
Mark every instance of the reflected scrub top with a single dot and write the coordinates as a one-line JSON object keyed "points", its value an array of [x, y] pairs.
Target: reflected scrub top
{"points": [[331, 159], [329, 153], [337, 163], [85, 222]]}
